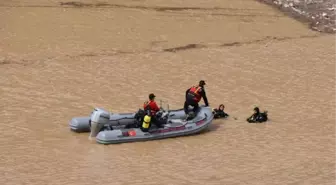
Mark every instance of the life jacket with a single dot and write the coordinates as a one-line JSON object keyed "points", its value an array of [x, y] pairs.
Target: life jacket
{"points": [[148, 109], [195, 92]]}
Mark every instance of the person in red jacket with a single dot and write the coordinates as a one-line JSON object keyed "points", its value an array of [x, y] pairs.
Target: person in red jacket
{"points": [[151, 105], [151, 108]]}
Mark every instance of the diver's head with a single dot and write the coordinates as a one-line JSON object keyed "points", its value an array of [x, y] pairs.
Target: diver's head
{"points": [[256, 109], [221, 107]]}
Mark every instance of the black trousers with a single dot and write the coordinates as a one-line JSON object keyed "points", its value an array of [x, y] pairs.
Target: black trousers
{"points": [[157, 122], [190, 102]]}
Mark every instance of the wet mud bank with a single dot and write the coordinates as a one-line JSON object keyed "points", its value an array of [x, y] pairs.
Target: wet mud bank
{"points": [[318, 14]]}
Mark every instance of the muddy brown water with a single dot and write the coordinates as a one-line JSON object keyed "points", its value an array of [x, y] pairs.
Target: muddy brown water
{"points": [[61, 61]]}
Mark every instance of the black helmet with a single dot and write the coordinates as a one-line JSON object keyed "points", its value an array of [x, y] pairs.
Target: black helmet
{"points": [[151, 96], [202, 82], [256, 109]]}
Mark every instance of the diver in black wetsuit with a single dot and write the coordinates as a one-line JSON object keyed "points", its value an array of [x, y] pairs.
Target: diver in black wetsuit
{"points": [[219, 113], [257, 116]]}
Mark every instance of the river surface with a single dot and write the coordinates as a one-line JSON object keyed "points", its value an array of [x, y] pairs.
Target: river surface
{"points": [[60, 61]]}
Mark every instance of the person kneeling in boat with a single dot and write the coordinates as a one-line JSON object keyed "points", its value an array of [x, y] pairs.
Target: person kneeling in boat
{"points": [[193, 96], [219, 113], [151, 108], [257, 116]]}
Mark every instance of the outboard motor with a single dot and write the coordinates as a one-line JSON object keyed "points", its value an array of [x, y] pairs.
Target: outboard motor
{"points": [[99, 118]]}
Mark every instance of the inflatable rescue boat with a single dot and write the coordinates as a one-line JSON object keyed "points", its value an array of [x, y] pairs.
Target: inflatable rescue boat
{"points": [[112, 128]]}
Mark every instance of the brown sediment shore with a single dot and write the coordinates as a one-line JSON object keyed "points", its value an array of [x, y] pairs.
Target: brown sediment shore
{"points": [[319, 14]]}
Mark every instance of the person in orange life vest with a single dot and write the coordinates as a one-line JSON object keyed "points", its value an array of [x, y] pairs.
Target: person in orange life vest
{"points": [[194, 95]]}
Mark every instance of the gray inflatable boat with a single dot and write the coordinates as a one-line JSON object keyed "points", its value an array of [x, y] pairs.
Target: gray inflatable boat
{"points": [[112, 128]]}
